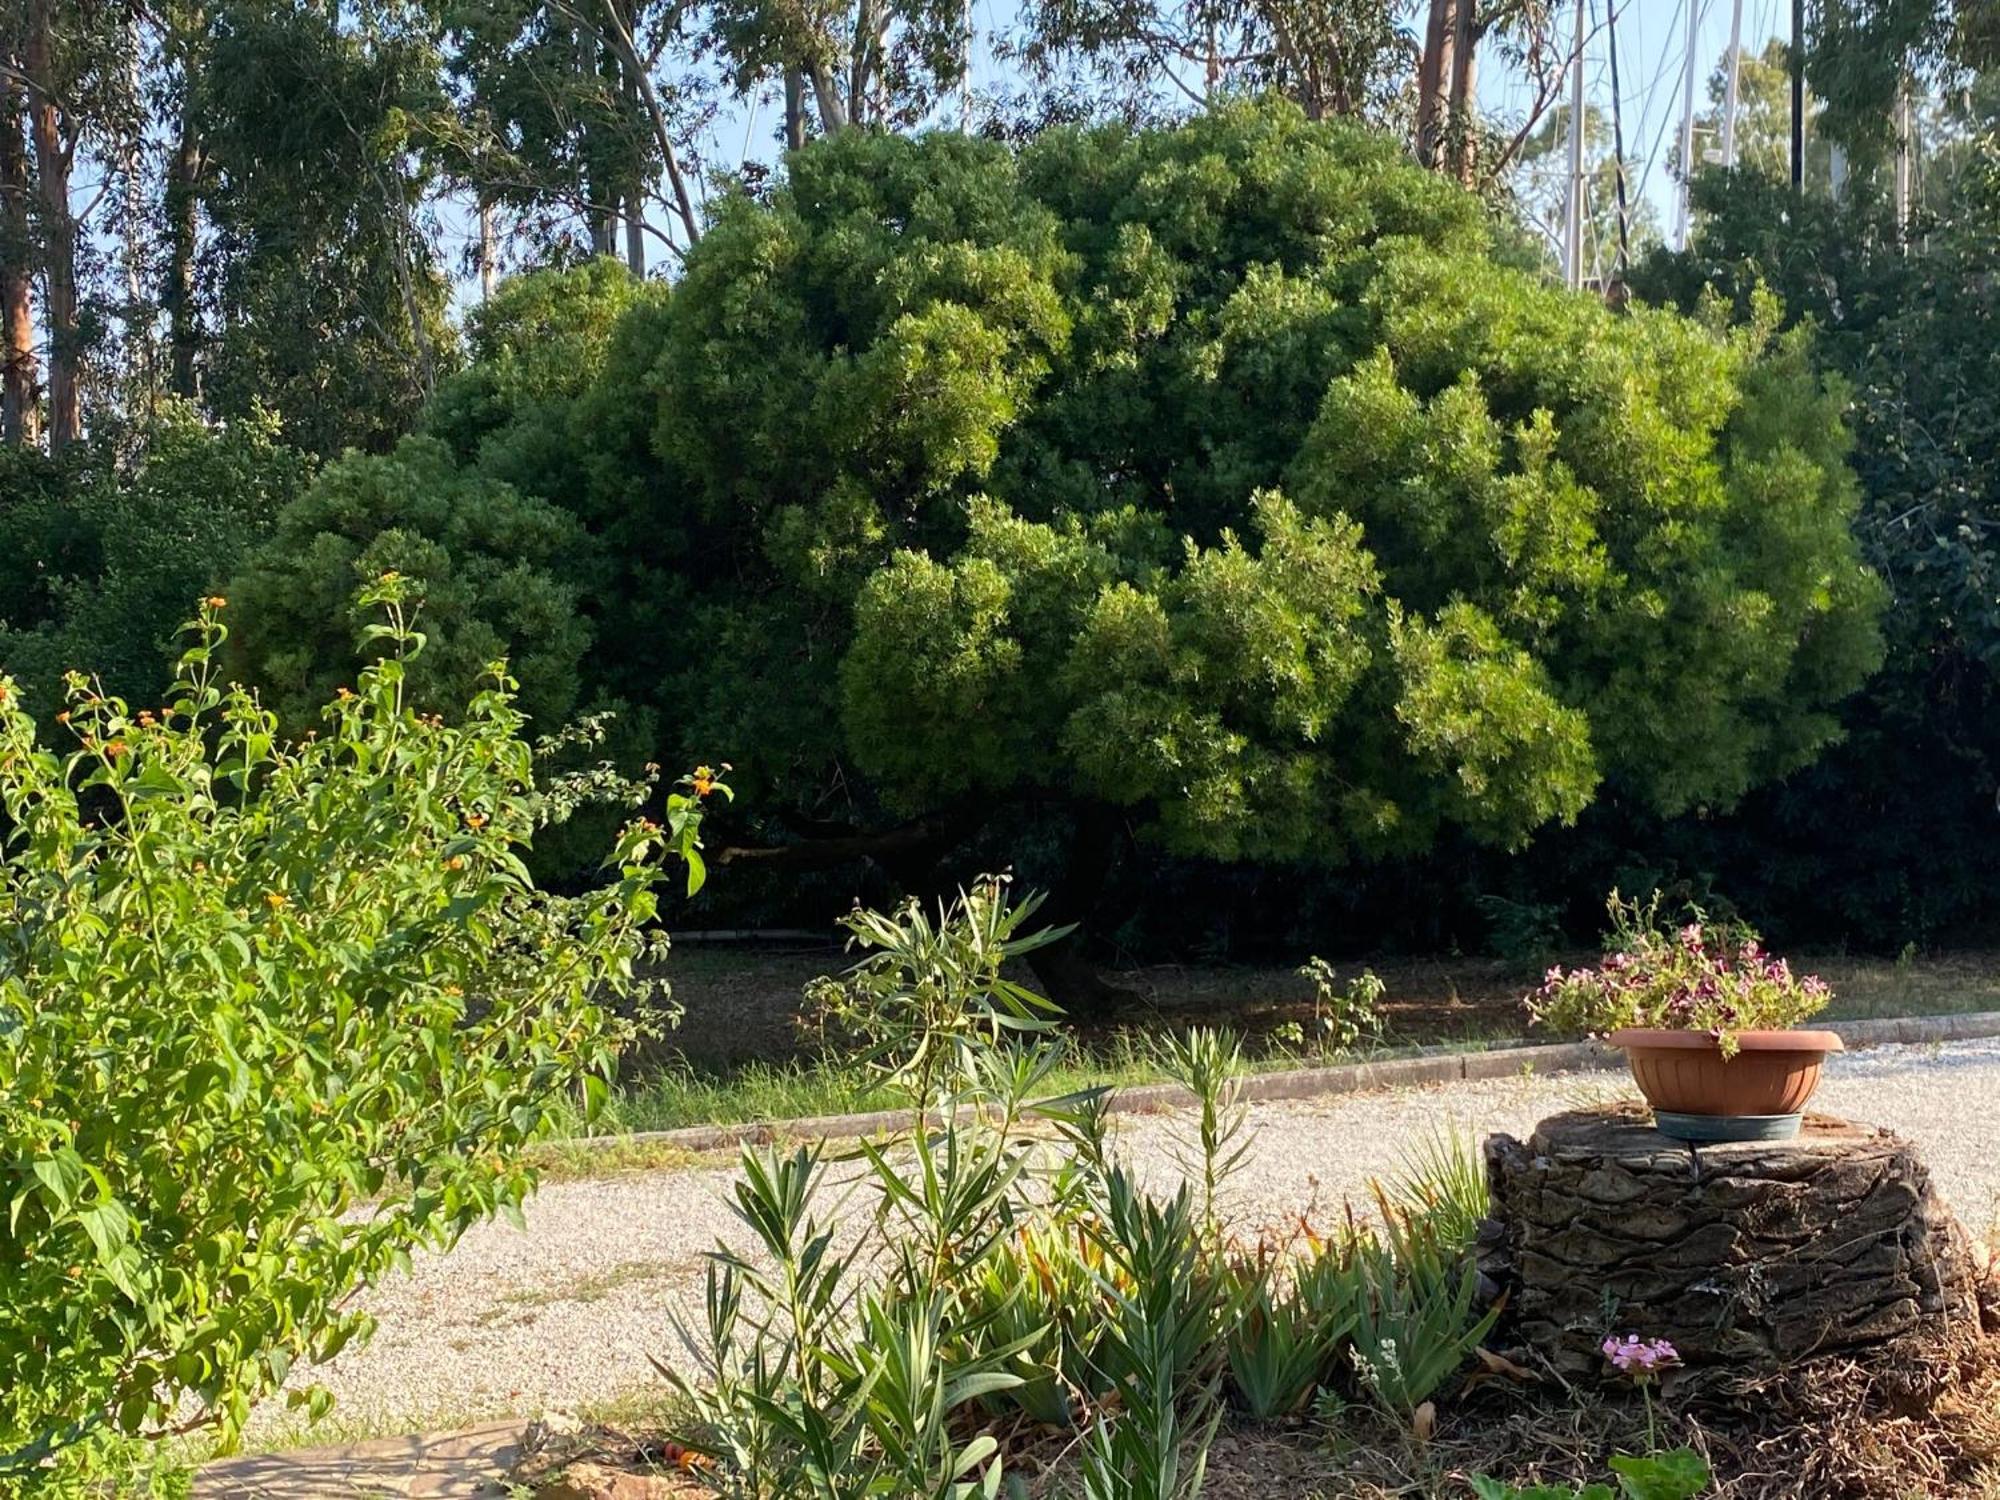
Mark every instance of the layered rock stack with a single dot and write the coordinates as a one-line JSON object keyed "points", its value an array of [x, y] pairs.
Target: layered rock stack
{"points": [[1755, 1260]]}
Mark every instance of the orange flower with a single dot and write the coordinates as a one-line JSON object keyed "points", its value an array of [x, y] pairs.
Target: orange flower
{"points": [[475, 820], [114, 749], [63, 717], [274, 899], [456, 862]]}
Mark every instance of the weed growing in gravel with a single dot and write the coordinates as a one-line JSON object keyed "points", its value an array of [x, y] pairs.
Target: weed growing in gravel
{"points": [[1344, 1016]]}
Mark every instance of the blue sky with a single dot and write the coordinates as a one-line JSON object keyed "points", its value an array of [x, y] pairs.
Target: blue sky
{"points": [[1652, 48]]}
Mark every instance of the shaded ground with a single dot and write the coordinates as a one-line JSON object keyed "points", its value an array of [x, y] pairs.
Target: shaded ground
{"points": [[742, 1004]]}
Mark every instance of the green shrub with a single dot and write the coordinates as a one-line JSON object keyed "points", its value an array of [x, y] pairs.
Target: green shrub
{"points": [[1221, 481], [272, 1016], [98, 558], [496, 573], [932, 992]]}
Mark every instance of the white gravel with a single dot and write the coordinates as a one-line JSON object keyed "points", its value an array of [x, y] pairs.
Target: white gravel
{"points": [[565, 1314]]}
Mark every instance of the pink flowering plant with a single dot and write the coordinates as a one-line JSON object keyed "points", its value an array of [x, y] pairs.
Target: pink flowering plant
{"points": [[1641, 1359], [1698, 976]]}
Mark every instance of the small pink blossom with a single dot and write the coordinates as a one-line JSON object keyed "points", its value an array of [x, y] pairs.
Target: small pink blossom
{"points": [[1639, 1358]]}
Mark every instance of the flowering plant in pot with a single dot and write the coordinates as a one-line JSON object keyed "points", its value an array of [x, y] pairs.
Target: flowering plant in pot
{"points": [[1708, 1020]]}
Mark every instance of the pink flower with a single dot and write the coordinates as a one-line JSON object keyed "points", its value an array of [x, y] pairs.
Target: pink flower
{"points": [[1639, 1358]]}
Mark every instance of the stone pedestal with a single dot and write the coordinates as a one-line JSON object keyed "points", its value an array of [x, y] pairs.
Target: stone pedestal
{"points": [[1753, 1259]]}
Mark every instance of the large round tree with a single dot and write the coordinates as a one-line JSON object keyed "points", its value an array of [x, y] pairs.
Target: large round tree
{"points": [[1229, 484]]}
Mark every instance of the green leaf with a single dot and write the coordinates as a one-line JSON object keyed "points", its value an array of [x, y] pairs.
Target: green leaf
{"points": [[1678, 1474], [108, 1226]]}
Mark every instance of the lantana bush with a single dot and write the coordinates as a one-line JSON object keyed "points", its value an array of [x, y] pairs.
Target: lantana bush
{"points": [[273, 1015]]}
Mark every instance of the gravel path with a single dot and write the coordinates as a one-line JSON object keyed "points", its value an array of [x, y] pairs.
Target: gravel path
{"points": [[566, 1313]]}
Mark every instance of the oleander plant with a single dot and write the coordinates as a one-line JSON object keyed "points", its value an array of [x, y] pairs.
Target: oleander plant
{"points": [[1020, 1288]]}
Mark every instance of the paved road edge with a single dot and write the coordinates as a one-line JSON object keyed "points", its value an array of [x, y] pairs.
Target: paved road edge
{"points": [[1305, 1083]]}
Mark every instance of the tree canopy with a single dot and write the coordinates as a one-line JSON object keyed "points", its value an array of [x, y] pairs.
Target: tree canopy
{"points": [[1224, 476]]}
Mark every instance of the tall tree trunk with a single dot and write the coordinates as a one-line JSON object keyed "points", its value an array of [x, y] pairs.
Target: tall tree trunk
{"points": [[488, 251], [626, 48], [635, 195], [1064, 967], [182, 206], [404, 238], [140, 309], [635, 233], [58, 228], [861, 62], [795, 109], [833, 115], [1464, 146], [20, 416], [1434, 77], [597, 215]]}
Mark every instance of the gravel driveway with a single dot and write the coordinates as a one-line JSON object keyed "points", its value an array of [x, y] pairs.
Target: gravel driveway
{"points": [[565, 1314]]}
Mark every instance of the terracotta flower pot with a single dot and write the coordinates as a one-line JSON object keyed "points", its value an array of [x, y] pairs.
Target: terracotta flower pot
{"points": [[1699, 1094]]}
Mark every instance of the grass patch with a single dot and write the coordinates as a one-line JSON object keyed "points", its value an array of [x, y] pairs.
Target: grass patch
{"points": [[681, 1096], [739, 1000]]}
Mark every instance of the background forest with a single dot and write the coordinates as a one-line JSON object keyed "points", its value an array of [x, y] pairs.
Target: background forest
{"points": [[1168, 467]]}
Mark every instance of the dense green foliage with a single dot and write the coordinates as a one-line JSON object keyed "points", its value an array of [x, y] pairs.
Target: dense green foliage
{"points": [[1013, 1266], [99, 559], [329, 299], [1222, 475], [271, 1017], [497, 570], [1889, 839]]}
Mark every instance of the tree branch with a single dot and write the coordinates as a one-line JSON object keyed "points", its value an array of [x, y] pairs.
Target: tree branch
{"points": [[619, 40], [932, 833]]}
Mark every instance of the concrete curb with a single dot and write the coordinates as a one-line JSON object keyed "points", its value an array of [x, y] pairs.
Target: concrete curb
{"points": [[1304, 1083]]}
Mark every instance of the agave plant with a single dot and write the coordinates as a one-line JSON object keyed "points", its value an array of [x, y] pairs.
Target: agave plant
{"points": [[1289, 1318], [1416, 1322], [1042, 1289]]}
